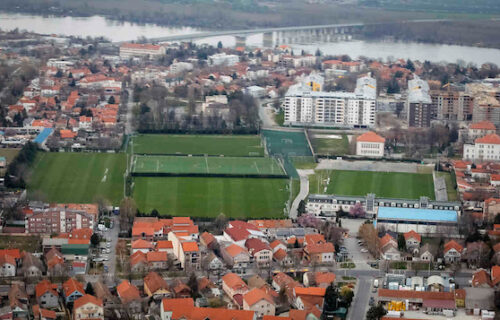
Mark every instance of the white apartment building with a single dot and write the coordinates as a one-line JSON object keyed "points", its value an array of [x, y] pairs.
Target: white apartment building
{"points": [[486, 148], [130, 50], [304, 105], [223, 59]]}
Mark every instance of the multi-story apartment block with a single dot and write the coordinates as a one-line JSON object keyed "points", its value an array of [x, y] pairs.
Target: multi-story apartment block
{"points": [[305, 105], [419, 107], [453, 105], [130, 50], [223, 59], [60, 219]]}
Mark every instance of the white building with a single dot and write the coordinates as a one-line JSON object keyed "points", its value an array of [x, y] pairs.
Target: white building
{"points": [[130, 50], [223, 59], [370, 144], [486, 148], [419, 107], [178, 67], [255, 91], [305, 104]]}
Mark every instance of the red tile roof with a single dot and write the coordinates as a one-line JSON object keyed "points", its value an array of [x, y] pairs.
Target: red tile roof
{"points": [[255, 295], [190, 246], [489, 139], [234, 281], [154, 282], [164, 244], [255, 245], [411, 294], [279, 255], [483, 125], [412, 234], [324, 277], [142, 244], [71, 286], [87, 298], [310, 291], [156, 256], [452, 244], [45, 286], [385, 240], [370, 137], [127, 292], [234, 250], [480, 278]]}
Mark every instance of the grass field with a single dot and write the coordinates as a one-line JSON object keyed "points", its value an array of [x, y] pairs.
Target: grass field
{"points": [[207, 165], [9, 154], [208, 197], [288, 144], [235, 145], [383, 184], [27, 243], [330, 146], [78, 177]]}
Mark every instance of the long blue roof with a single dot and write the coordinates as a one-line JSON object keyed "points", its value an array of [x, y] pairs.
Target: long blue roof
{"points": [[416, 214], [42, 136]]}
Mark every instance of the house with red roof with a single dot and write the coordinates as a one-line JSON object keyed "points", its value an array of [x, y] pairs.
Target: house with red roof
{"points": [[138, 262], [389, 248], [181, 309], [318, 279], [142, 245], [234, 287], [260, 251], [156, 260], [412, 240], [480, 129], [156, 286], [46, 294], [486, 148], [491, 208], [370, 145], [452, 252], [317, 250], [260, 302], [236, 256], [88, 307], [129, 295], [72, 290], [8, 265]]}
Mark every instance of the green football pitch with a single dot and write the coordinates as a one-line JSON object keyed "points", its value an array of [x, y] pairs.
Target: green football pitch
{"points": [[383, 184], [208, 197], [228, 145], [143, 165], [78, 177]]}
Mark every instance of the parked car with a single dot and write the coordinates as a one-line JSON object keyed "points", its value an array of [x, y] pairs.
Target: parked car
{"points": [[364, 250]]}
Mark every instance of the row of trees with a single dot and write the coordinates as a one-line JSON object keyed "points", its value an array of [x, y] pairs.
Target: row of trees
{"points": [[17, 171]]}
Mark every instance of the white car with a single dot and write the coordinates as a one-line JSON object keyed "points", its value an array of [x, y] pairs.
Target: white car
{"points": [[364, 250]]}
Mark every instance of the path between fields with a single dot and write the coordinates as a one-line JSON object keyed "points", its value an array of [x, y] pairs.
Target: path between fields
{"points": [[304, 191]]}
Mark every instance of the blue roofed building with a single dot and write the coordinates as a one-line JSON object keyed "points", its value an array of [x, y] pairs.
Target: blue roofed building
{"points": [[42, 136], [422, 220]]}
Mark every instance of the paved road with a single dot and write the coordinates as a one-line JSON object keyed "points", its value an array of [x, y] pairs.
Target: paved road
{"points": [[361, 297], [266, 113], [304, 191], [130, 107]]}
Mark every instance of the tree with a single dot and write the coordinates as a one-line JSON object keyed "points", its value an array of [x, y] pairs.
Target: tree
{"points": [[111, 100], [401, 242], [89, 289], [128, 210], [376, 313], [59, 74], [220, 222], [347, 295], [219, 45], [318, 52], [357, 211], [193, 284], [410, 66], [95, 239], [301, 208]]}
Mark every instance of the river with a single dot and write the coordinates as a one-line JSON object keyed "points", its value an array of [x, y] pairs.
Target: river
{"points": [[125, 31]]}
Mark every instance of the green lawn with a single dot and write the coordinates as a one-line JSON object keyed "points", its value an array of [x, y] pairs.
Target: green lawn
{"points": [[228, 145], [383, 184], [331, 146], [208, 197], [178, 165], [78, 177], [9, 154]]}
